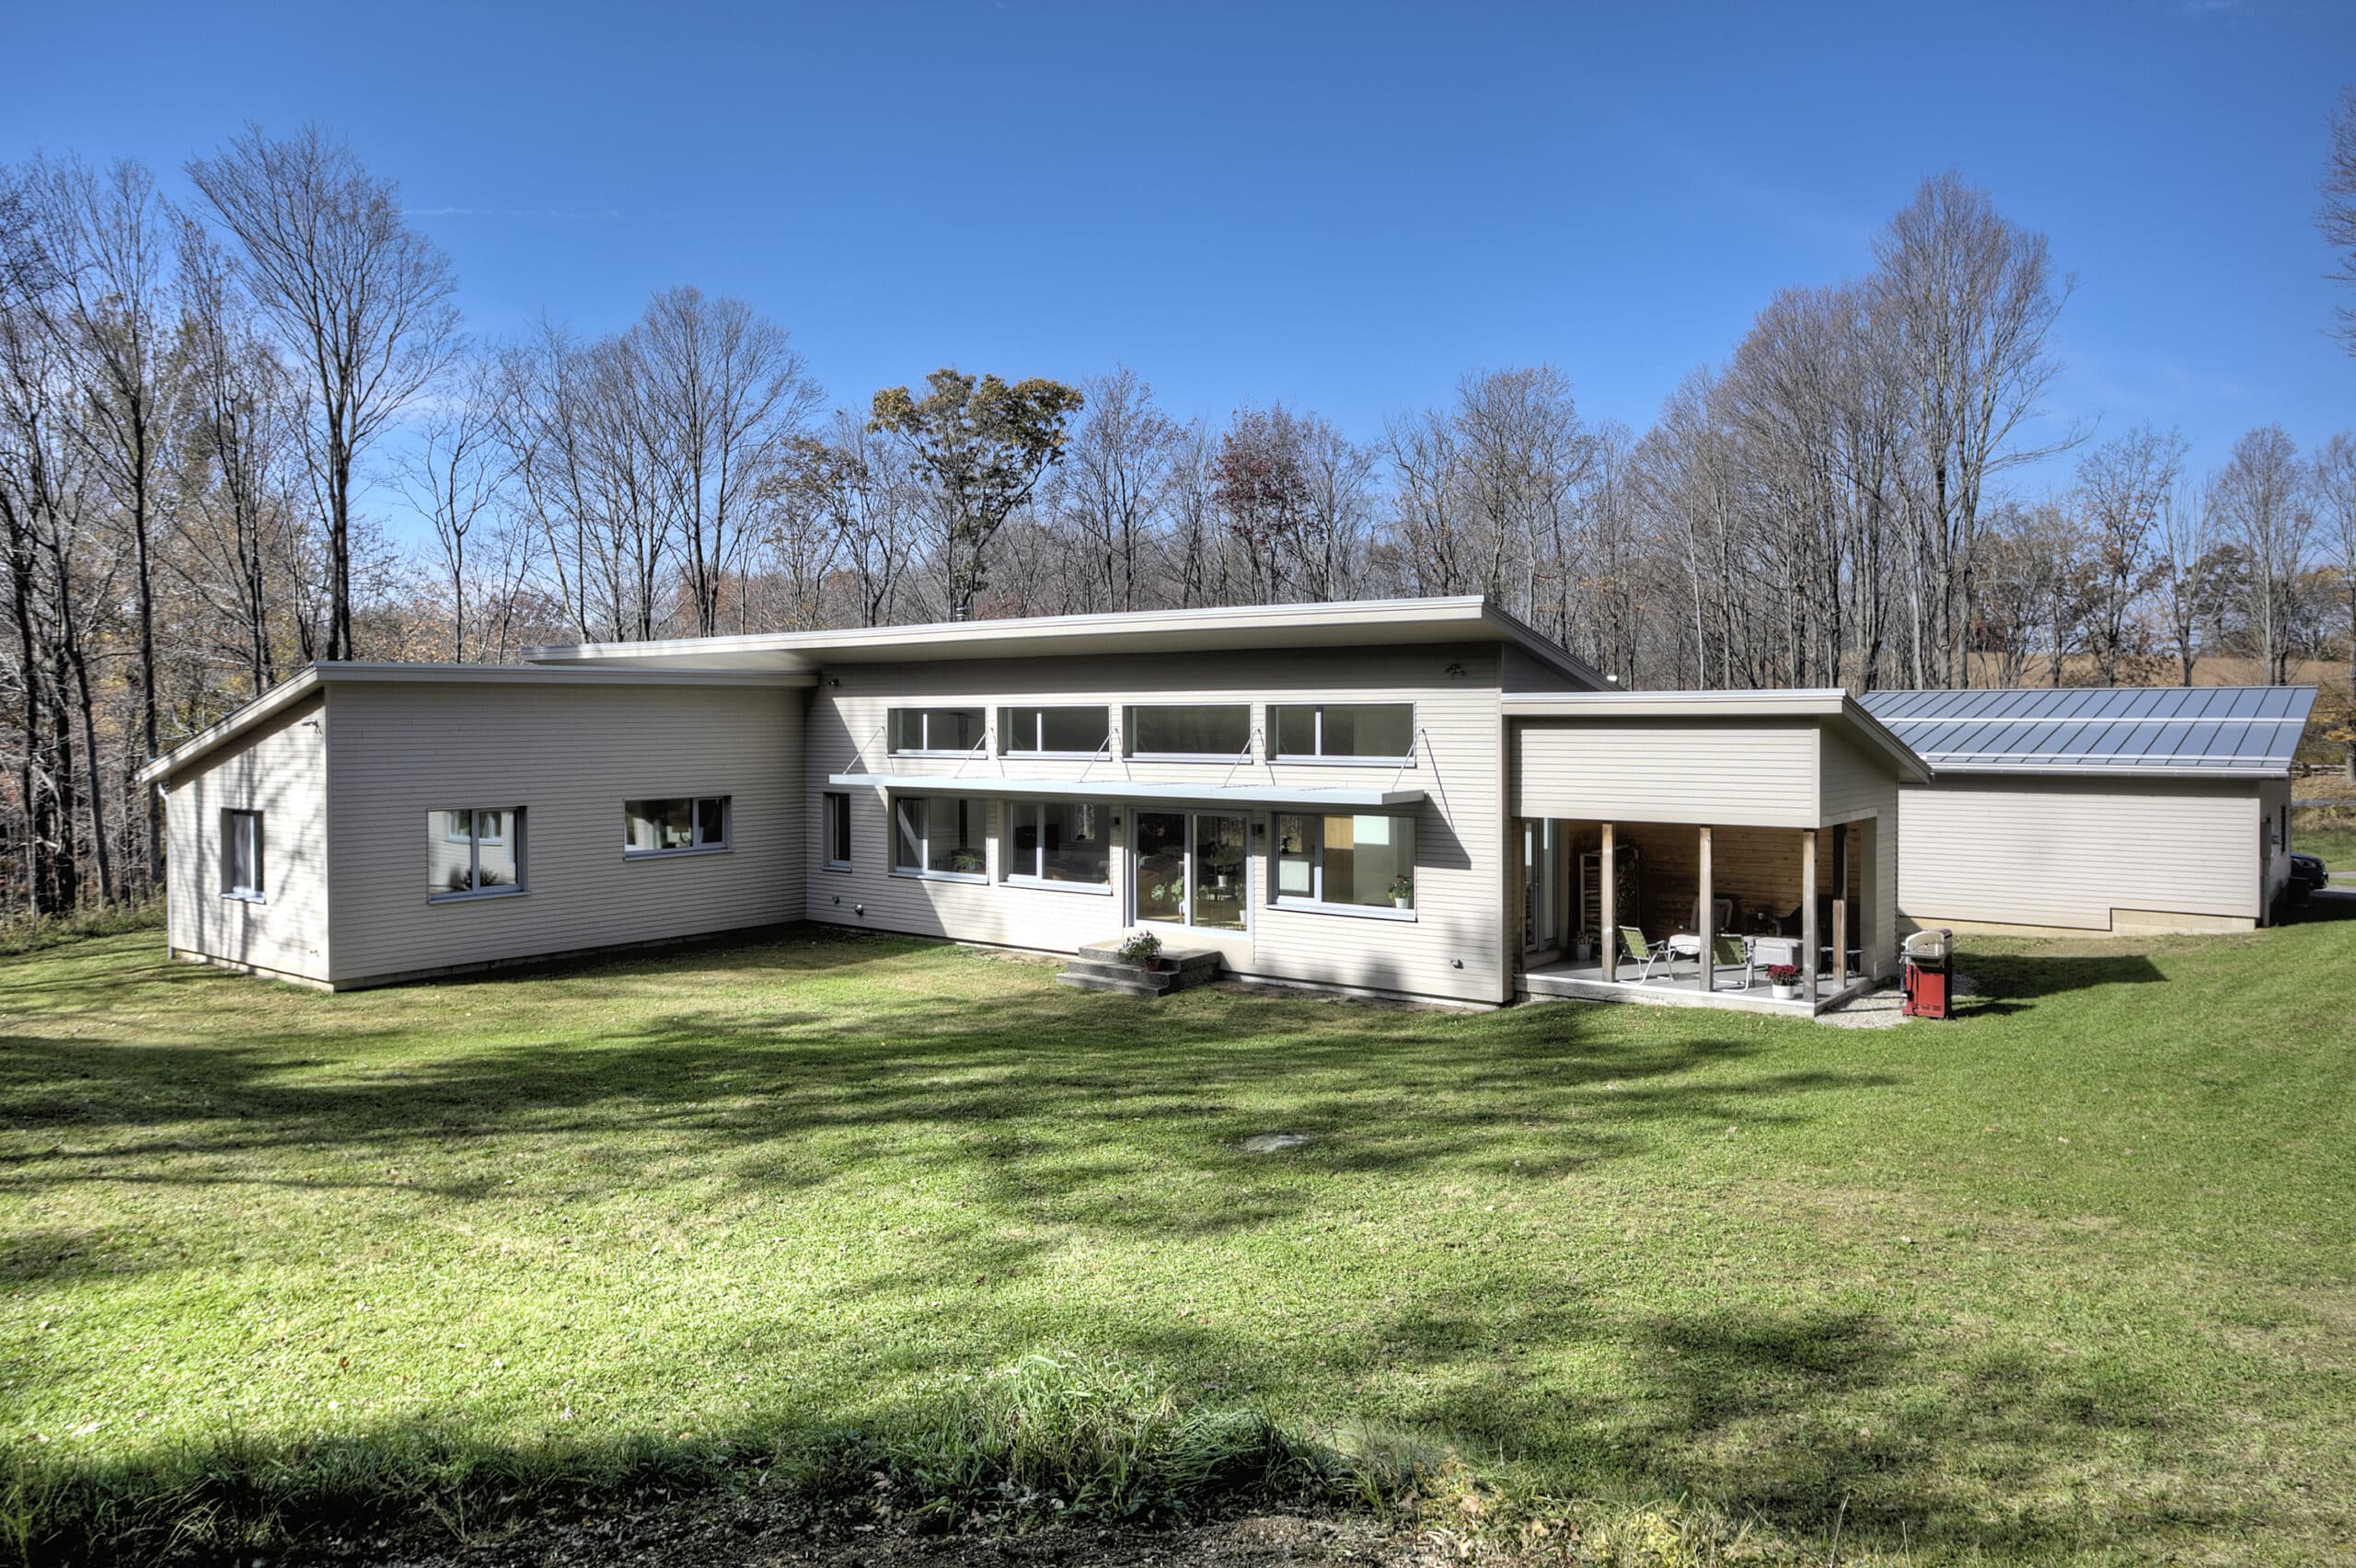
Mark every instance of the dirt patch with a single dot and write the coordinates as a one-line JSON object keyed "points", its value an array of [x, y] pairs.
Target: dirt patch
{"points": [[738, 1532]]}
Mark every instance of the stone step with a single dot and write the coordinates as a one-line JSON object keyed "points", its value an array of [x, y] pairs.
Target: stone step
{"points": [[1122, 969]]}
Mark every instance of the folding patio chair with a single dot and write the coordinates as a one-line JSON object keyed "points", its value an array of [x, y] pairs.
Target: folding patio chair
{"points": [[1647, 955], [1729, 952]]}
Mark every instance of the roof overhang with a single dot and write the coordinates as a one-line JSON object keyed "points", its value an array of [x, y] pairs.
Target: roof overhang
{"points": [[1817, 703], [1228, 629], [1362, 798], [288, 693]]}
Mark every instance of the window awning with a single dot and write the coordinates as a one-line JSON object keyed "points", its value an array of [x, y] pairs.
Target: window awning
{"points": [[1356, 798]]}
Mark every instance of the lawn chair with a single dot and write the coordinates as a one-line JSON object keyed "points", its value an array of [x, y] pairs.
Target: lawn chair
{"points": [[1646, 955], [1729, 952]]}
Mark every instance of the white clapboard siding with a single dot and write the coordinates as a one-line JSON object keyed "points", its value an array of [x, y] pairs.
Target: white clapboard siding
{"points": [[569, 758], [1860, 787], [2063, 852], [1729, 773], [279, 770], [1460, 840]]}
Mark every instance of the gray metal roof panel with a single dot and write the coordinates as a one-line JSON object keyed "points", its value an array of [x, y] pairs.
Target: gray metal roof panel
{"points": [[2238, 731]]}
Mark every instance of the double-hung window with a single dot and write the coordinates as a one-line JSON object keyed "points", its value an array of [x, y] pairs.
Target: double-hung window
{"points": [[1344, 732], [1358, 863], [838, 814], [939, 835], [1061, 843], [686, 824], [1219, 732], [1052, 731], [241, 856], [935, 731], [474, 850]]}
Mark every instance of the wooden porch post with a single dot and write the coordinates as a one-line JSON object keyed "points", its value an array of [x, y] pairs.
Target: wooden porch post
{"points": [[1611, 896], [1808, 913], [1841, 908], [1706, 914]]}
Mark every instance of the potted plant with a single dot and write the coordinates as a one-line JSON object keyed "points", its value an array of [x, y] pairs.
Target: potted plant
{"points": [[1402, 892], [1784, 979], [968, 862], [1142, 949]]}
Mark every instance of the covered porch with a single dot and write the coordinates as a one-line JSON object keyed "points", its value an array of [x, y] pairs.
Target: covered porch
{"points": [[1696, 915], [1677, 850]]}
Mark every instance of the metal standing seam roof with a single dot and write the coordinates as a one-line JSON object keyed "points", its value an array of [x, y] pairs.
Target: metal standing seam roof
{"points": [[2227, 731]]}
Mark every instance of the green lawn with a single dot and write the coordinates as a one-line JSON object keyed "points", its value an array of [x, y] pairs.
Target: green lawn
{"points": [[2073, 1275], [2331, 834]]}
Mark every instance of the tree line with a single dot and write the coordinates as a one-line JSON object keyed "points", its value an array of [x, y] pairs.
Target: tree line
{"points": [[208, 408]]}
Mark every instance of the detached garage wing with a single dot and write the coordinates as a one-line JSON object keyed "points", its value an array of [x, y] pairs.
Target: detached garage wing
{"points": [[2212, 731]]}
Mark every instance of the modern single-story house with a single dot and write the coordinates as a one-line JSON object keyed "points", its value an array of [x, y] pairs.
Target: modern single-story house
{"points": [[1420, 798]]}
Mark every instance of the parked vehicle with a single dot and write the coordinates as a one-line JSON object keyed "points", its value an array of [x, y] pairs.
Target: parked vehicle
{"points": [[2307, 874]]}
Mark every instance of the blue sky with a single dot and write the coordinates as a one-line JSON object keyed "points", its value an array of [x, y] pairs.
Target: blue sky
{"points": [[1341, 206]]}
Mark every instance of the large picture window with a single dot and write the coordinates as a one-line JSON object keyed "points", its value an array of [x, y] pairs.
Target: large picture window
{"points": [[938, 836], [1353, 862], [681, 825], [242, 855], [1220, 731], [1052, 731], [939, 731], [1062, 842], [1344, 732], [474, 850]]}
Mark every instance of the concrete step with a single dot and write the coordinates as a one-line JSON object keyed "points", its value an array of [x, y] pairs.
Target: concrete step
{"points": [[1098, 967], [1125, 987]]}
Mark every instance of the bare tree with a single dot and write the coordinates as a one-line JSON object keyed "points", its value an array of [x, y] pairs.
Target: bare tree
{"points": [[2335, 488], [2188, 546], [1970, 298], [2123, 487], [453, 476], [2261, 502], [1113, 480], [2338, 216], [111, 241], [359, 299], [725, 389]]}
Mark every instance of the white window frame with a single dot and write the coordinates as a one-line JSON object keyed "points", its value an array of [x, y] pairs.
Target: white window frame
{"points": [[1128, 734], [1315, 904], [695, 814], [923, 870], [474, 840], [1007, 826], [257, 890], [1007, 745], [835, 825], [1275, 731], [892, 729]]}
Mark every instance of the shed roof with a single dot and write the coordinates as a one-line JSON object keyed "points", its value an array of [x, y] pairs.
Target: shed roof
{"points": [[2207, 731], [1356, 623]]}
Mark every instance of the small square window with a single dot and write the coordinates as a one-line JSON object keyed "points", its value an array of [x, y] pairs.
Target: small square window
{"points": [[470, 851]]}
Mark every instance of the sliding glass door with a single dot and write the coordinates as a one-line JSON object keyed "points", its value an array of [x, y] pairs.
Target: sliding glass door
{"points": [[1191, 869]]}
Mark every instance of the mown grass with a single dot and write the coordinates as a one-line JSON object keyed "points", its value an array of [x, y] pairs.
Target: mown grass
{"points": [[2328, 831], [2073, 1277]]}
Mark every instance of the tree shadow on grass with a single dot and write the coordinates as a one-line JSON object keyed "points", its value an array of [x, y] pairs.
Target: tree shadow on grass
{"points": [[2011, 982]]}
